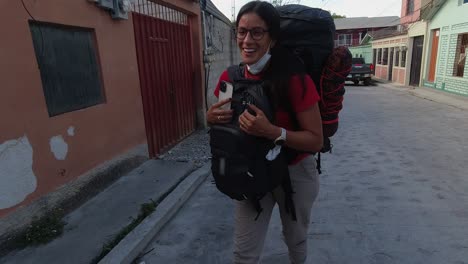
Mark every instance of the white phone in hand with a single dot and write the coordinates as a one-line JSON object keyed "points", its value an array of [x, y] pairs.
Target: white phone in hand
{"points": [[225, 91]]}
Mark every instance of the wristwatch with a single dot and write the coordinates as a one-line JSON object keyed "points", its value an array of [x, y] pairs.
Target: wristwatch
{"points": [[281, 139]]}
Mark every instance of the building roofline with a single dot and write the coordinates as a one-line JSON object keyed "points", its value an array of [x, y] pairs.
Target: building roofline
{"points": [[431, 9], [390, 35], [213, 10], [366, 22]]}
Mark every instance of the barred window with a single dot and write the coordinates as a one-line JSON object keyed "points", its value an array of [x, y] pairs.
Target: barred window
{"points": [[403, 58], [344, 39], [397, 57], [379, 56], [385, 56], [409, 7], [460, 55], [68, 64]]}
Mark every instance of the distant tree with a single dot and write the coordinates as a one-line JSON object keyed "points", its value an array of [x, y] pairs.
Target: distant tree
{"points": [[284, 2], [335, 16]]}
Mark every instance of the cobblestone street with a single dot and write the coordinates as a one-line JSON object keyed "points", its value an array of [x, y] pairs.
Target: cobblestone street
{"points": [[393, 191]]}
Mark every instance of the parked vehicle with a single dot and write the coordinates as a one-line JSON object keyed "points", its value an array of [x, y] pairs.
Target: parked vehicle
{"points": [[360, 71]]}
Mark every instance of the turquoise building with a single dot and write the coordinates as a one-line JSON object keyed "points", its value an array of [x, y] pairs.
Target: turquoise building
{"points": [[364, 50], [446, 66]]}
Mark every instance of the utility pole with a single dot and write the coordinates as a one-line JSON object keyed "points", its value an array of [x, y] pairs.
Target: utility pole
{"points": [[233, 10]]}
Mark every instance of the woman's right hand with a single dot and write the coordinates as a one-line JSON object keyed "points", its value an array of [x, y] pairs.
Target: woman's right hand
{"points": [[217, 115]]}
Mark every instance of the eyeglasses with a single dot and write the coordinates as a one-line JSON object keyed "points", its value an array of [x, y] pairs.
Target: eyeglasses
{"points": [[256, 33]]}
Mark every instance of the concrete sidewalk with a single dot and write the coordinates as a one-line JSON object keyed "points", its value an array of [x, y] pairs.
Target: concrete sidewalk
{"points": [[96, 222], [431, 94]]}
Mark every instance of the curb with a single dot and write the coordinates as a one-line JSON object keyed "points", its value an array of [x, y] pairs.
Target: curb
{"points": [[135, 242], [441, 98], [430, 95]]}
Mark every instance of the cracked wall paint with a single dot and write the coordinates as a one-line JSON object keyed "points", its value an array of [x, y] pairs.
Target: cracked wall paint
{"points": [[71, 131], [17, 179], [59, 147]]}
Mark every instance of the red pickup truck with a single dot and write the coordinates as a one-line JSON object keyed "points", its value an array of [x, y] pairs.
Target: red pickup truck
{"points": [[360, 71]]}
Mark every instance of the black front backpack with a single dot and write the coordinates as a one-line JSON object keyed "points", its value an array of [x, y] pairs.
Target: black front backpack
{"points": [[239, 165]]}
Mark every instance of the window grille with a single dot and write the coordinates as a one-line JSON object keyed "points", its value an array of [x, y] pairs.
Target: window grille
{"points": [[150, 8], [69, 67]]}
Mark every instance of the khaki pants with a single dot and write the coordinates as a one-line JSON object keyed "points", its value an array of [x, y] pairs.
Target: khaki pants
{"points": [[249, 235]]}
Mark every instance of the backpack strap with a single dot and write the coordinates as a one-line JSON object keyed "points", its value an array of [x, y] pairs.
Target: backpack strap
{"points": [[235, 72], [288, 198]]}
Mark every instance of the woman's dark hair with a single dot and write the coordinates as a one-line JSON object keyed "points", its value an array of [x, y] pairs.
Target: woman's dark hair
{"points": [[267, 12], [283, 63]]}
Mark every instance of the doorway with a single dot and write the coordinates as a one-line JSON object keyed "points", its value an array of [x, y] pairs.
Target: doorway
{"points": [[434, 50], [416, 59]]}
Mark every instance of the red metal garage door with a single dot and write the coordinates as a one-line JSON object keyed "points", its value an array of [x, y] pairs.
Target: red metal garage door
{"points": [[163, 44]]}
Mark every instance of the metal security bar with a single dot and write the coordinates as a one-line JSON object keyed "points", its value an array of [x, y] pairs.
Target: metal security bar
{"points": [[149, 8]]}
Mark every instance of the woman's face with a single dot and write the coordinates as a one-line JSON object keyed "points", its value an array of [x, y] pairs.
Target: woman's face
{"points": [[253, 39]]}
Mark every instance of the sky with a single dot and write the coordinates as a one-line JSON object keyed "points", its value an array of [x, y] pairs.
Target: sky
{"points": [[348, 8]]}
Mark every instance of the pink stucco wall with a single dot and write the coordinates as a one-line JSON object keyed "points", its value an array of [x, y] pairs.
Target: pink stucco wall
{"points": [[381, 72], [92, 135], [98, 133], [413, 17], [399, 75]]}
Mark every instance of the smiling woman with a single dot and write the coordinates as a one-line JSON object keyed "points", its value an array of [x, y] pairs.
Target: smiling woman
{"points": [[267, 71]]}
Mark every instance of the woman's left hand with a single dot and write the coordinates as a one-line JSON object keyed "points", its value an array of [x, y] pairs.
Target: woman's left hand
{"points": [[257, 125]]}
